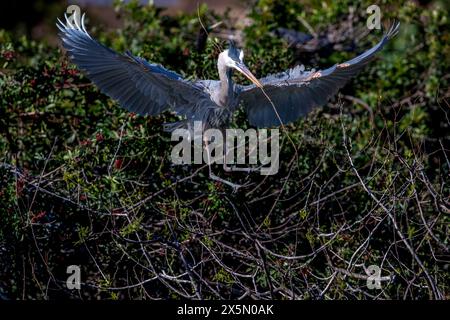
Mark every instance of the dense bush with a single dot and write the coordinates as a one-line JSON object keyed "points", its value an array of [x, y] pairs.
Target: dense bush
{"points": [[363, 181]]}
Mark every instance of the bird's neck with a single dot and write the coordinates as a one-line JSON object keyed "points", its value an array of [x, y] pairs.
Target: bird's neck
{"points": [[226, 91]]}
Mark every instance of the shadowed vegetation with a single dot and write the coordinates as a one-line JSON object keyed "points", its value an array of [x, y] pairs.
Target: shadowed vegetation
{"points": [[365, 180]]}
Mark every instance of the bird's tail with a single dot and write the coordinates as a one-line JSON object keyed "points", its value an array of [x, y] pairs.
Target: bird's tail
{"points": [[172, 126]]}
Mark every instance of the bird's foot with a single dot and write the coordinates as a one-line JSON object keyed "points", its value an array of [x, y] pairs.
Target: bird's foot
{"points": [[229, 183]]}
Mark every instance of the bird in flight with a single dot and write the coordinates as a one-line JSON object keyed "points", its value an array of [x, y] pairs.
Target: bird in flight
{"points": [[146, 88], [150, 89]]}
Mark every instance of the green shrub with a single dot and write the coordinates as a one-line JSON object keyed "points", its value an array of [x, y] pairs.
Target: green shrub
{"points": [[84, 182]]}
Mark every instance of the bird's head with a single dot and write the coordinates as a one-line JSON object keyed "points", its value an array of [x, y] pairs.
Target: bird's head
{"points": [[234, 58]]}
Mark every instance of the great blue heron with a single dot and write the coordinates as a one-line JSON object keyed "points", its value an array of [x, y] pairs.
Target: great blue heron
{"points": [[149, 89]]}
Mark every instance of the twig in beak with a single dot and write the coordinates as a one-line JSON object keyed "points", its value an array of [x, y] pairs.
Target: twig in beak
{"points": [[244, 70]]}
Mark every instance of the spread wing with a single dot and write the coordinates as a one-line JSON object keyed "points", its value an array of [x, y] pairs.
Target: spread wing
{"points": [[139, 86], [295, 92]]}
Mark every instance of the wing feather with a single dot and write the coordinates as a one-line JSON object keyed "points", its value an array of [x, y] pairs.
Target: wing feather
{"points": [[138, 85], [296, 92]]}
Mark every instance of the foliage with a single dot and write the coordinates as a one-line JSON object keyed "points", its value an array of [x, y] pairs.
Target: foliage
{"points": [[362, 181]]}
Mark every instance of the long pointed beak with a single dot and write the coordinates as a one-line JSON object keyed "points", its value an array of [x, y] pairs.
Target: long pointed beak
{"points": [[244, 70]]}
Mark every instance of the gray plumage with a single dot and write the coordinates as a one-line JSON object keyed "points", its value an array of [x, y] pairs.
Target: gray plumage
{"points": [[296, 92], [149, 89]]}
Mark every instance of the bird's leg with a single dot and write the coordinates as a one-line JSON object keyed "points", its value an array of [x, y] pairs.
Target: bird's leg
{"points": [[213, 176], [227, 168]]}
